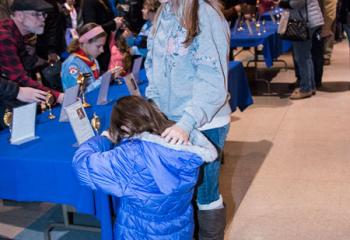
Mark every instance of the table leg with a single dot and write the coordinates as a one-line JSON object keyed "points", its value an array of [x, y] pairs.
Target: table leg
{"points": [[67, 224]]}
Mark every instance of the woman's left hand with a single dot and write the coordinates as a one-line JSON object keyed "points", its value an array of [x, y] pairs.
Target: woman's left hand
{"points": [[175, 135]]}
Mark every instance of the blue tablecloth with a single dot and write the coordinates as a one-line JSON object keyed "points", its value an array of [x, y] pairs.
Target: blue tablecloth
{"points": [[238, 87], [41, 170], [273, 46], [274, 12]]}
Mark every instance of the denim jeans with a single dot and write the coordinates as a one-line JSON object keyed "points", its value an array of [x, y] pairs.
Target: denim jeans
{"points": [[208, 188], [317, 58], [303, 58], [347, 30]]}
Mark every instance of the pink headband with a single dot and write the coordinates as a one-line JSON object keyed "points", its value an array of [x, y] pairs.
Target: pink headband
{"points": [[91, 34]]}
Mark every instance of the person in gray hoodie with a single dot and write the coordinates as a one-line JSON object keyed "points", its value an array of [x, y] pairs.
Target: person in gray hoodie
{"points": [[310, 11], [186, 66]]}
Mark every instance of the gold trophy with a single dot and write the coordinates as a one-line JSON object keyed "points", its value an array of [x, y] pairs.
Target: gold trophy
{"points": [[264, 27], [8, 118], [257, 26], [49, 100], [96, 123], [81, 80]]}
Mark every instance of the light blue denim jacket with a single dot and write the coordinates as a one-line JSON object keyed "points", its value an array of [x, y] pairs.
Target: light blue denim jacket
{"points": [[70, 72], [189, 84]]}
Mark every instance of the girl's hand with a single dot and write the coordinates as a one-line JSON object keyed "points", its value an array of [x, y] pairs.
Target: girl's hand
{"points": [[175, 135], [116, 71], [119, 21]]}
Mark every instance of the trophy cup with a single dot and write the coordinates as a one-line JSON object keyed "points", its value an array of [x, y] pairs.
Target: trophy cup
{"points": [[96, 123], [81, 80], [257, 26], [264, 27], [240, 20], [8, 118], [49, 100]]}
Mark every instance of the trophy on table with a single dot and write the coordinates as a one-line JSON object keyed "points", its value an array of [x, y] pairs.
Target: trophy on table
{"points": [[258, 26], [240, 21], [49, 100], [82, 80], [8, 118], [264, 25], [96, 123]]}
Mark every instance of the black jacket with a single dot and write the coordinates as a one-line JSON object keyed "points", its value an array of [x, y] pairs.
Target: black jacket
{"points": [[345, 12], [52, 40], [99, 11], [8, 94], [8, 90]]}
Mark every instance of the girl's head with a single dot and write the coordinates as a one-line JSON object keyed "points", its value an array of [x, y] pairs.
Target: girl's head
{"points": [[187, 10], [91, 40], [122, 45], [70, 2], [149, 9], [133, 115]]}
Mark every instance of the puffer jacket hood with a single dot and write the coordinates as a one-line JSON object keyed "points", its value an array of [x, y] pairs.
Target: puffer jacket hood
{"points": [[167, 169]]}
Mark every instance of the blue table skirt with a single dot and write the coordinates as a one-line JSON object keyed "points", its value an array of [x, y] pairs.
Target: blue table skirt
{"points": [[273, 45], [238, 87], [41, 170]]}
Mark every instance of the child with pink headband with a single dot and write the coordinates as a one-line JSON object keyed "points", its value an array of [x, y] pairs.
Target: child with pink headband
{"points": [[82, 60]]}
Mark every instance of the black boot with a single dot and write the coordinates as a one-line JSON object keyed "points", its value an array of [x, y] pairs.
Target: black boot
{"points": [[212, 224]]}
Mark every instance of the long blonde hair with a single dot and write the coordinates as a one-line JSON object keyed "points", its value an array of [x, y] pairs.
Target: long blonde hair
{"points": [[189, 16]]}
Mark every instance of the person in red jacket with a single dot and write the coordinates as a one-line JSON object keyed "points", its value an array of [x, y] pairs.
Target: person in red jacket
{"points": [[27, 17]]}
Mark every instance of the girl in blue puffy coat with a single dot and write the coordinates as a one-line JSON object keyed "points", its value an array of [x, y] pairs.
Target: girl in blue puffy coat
{"points": [[154, 180]]}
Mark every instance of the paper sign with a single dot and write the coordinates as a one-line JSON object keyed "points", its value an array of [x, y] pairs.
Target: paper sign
{"points": [[23, 124], [136, 67], [103, 93], [80, 122], [132, 85], [70, 97], [249, 27]]}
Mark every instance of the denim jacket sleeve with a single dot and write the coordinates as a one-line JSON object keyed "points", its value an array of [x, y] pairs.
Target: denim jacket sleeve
{"points": [[152, 91], [210, 61]]}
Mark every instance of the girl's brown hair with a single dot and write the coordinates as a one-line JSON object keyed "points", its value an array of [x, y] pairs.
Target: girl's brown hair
{"points": [[189, 16], [75, 45], [151, 5], [133, 115], [123, 47]]}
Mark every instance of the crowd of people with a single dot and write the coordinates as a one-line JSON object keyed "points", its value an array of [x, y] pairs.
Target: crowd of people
{"points": [[327, 20], [162, 151]]}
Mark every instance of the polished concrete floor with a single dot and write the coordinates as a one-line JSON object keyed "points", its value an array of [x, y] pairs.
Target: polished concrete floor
{"points": [[286, 172], [287, 163]]}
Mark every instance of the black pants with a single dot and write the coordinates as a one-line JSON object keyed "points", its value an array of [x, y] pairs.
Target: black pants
{"points": [[317, 58]]}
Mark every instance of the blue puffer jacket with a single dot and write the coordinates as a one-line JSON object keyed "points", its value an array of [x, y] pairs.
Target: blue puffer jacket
{"points": [[153, 180]]}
